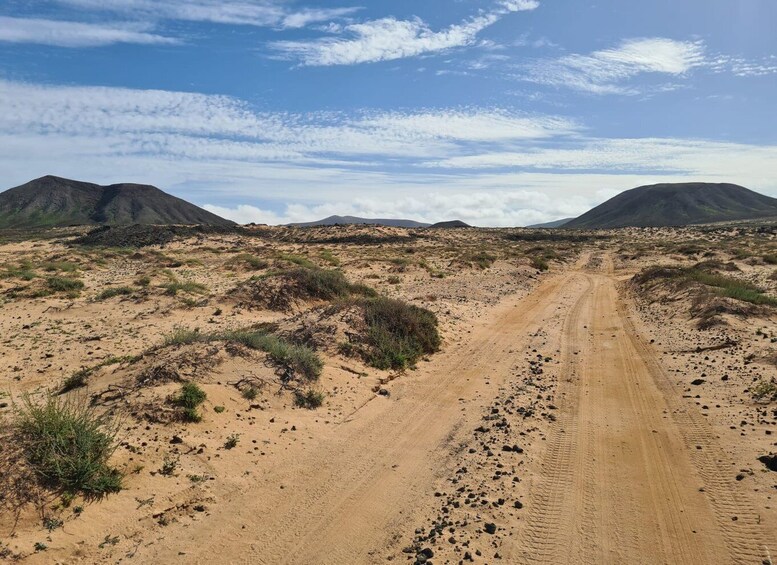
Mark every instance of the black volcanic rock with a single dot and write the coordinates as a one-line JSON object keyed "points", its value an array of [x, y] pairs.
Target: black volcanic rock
{"points": [[53, 201], [681, 204]]}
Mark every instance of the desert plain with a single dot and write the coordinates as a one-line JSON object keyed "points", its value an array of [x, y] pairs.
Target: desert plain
{"points": [[559, 396]]}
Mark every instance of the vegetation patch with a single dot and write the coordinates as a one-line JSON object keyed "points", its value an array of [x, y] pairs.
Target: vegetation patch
{"points": [[398, 334], [68, 445], [64, 284], [291, 358], [189, 399], [279, 290], [309, 399], [115, 291], [723, 285]]}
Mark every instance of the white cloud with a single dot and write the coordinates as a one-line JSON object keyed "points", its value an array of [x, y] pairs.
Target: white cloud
{"points": [[487, 166], [388, 39], [236, 12], [605, 71], [75, 34]]}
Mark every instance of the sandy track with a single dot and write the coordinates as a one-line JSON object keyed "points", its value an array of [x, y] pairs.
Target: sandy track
{"points": [[631, 474], [622, 480], [355, 490]]}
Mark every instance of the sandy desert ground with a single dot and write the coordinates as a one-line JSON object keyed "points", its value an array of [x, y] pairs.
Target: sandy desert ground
{"points": [[601, 397]]}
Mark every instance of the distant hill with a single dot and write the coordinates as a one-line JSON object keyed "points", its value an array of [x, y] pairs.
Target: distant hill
{"points": [[345, 220], [451, 224], [678, 204], [553, 224], [53, 201]]}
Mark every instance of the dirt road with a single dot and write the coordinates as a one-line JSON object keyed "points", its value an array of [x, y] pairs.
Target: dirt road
{"points": [[629, 472]]}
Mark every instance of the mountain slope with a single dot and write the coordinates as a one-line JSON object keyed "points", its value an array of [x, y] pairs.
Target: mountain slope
{"points": [[53, 201], [677, 205], [553, 224], [344, 220], [451, 224]]}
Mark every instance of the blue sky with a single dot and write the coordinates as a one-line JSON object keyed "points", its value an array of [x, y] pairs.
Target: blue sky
{"points": [[503, 112]]}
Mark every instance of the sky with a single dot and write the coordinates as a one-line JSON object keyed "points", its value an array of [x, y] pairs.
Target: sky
{"points": [[499, 113]]}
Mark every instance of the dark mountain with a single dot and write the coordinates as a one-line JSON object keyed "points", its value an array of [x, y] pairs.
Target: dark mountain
{"points": [[53, 201], [553, 224], [451, 224], [678, 205], [345, 220]]}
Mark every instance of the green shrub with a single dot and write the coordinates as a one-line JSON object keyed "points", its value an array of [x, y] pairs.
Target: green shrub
{"points": [[483, 259], [539, 263], [309, 399], [189, 399], [398, 333], [297, 260], [190, 396], [115, 291], [64, 284], [232, 441], [250, 393], [68, 445], [393, 280]]}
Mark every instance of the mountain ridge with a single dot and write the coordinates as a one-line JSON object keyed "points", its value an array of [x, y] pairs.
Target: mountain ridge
{"points": [[52, 201], [677, 204]]}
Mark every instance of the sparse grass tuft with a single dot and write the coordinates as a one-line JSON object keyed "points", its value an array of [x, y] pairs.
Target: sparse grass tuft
{"points": [[173, 287], [69, 444], [253, 262], [115, 291], [310, 399], [78, 379], [62, 266], [725, 286], [183, 336]]}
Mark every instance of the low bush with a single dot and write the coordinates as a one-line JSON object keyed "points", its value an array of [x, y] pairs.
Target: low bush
{"points": [[398, 334], [183, 336], [68, 445], [64, 284], [764, 390], [539, 263]]}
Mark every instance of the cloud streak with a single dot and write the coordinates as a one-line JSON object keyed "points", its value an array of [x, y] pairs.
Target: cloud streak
{"points": [[260, 13], [388, 39], [75, 34], [605, 71]]}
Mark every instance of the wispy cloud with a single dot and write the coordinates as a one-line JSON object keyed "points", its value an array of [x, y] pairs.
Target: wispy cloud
{"points": [[606, 71], [388, 39], [75, 34], [489, 166], [261, 13]]}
